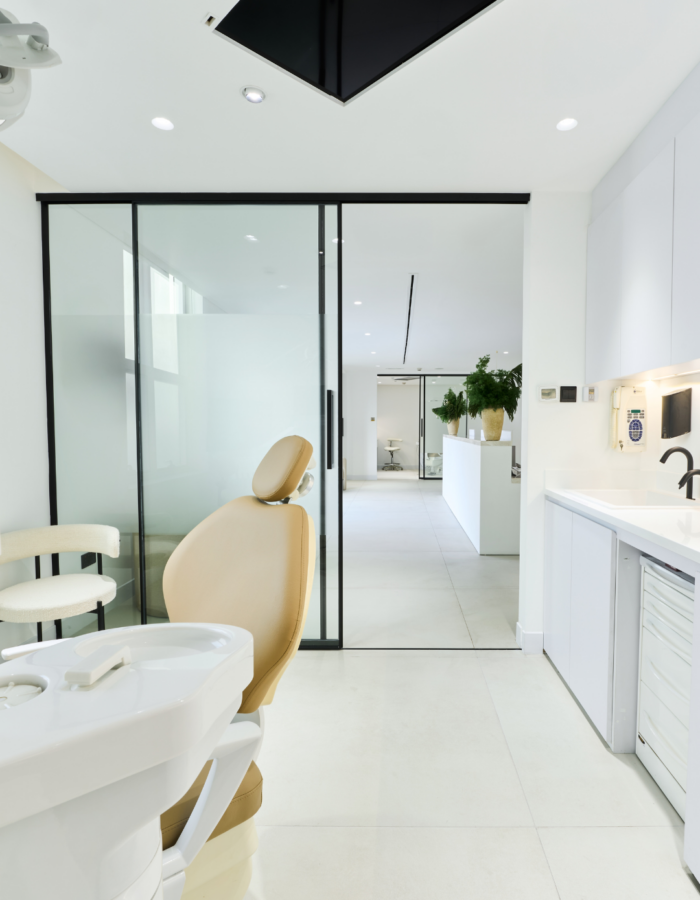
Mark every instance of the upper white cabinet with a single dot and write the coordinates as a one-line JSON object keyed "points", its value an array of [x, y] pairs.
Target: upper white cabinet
{"points": [[685, 332], [630, 277], [647, 267], [604, 297]]}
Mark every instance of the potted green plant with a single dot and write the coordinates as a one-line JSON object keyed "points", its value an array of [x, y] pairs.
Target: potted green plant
{"points": [[453, 408], [491, 394]]}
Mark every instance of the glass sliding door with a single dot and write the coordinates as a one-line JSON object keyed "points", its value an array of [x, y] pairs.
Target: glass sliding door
{"points": [[171, 386], [433, 390], [234, 356]]}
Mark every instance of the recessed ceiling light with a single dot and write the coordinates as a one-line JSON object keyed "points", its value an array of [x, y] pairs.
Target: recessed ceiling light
{"points": [[435, 382], [368, 333], [250, 237], [373, 352], [358, 302], [506, 352], [253, 94], [282, 287], [566, 125], [163, 124]]}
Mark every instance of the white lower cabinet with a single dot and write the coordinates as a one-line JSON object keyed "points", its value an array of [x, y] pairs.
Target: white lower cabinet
{"points": [[579, 609]]}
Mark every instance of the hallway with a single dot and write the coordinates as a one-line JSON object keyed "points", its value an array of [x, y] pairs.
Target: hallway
{"points": [[411, 576]]}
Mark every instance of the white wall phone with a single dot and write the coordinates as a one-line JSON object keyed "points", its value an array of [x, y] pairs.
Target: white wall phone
{"points": [[629, 428]]}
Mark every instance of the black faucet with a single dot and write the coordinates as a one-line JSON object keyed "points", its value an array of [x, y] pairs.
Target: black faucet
{"points": [[687, 479]]}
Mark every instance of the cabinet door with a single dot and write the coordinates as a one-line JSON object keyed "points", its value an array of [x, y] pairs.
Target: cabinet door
{"points": [[685, 332], [557, 586], [603, 295], [592, 619], [647, 267]]}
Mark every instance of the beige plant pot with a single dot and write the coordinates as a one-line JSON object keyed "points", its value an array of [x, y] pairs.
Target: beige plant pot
{"points": [[453, 426], [492, 420]]}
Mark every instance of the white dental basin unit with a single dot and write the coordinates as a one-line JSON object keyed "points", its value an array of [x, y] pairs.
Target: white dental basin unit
{"points": [[101, 734]]}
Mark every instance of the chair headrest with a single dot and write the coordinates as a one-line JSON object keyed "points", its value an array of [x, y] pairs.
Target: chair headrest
{"points": [[282, 468]]}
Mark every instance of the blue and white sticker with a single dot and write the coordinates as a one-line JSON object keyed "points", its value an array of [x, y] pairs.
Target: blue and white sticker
{"points": [[636, 430]]}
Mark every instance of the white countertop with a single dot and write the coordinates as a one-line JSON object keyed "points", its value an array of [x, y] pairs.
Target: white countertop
{"points": [[676, 529], [454, 437]]}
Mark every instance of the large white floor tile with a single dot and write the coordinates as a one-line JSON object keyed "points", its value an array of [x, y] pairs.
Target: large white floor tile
{"points": [[569, 775], [404, 617], [491, 615], [618, 863], [454, 540], [393, 542], [400, 864], [394, 570], [469, 570], [387, 739]]}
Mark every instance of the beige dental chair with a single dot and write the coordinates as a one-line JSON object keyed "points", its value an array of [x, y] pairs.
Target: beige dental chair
{"points": [[251, 564]]}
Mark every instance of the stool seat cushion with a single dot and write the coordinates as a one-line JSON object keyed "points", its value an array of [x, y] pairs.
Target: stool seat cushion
{"points": [[56, 597], [245, 804]]}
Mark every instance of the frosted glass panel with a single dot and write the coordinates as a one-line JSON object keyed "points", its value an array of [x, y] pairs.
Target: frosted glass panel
{"points": [[94, 396]]}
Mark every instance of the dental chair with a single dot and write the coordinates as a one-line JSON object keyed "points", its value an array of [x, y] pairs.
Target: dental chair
{"points": [[249, 564]]}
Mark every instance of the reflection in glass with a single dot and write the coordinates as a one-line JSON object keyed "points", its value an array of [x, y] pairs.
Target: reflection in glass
{"points": [[231, 361], [435, 388]]}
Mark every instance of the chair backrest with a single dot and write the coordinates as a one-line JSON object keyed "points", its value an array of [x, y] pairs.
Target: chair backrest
{"points": [[16, 545], [251, 564]]}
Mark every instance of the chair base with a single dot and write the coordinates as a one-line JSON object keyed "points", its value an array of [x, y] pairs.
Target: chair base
{"points": [[223, 867]]}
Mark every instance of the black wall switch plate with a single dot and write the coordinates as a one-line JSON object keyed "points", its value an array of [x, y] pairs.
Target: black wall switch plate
{"points": [[88, 559], [567, 394]]}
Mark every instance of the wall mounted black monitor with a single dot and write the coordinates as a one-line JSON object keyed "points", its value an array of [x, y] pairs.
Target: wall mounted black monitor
{"points": [[343, 46], [675, 413]]}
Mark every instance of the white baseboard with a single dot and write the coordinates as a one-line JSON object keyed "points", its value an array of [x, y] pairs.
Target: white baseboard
{"points": [[529, 641]]}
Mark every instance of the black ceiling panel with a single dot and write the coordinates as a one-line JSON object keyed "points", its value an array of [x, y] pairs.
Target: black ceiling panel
{"points": [[343, 46]]}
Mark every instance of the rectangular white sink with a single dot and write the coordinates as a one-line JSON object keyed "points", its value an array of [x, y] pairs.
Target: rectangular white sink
{"points": [[634, 499]]}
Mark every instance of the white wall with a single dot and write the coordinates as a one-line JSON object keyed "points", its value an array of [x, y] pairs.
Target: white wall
{"points": [[397, 417], [24, 488], [554, 302], [360, 425]]}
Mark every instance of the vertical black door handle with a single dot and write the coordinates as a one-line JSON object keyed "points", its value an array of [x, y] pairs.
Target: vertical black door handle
{"points": [[329, 429]]}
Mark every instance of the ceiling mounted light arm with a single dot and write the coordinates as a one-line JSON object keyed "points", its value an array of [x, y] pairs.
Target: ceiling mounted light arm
{"points": [[35, 53]]}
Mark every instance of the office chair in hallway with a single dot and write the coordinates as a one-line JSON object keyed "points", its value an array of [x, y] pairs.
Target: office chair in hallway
{"points": [[393, 466], [250, 564]]}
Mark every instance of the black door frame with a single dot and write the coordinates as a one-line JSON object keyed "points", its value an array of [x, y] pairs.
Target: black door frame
{"points": [[135, 199]]}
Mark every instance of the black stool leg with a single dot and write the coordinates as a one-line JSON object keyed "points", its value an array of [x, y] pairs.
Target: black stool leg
{"points": [[59, 627], [39, 631], [100, 616]]}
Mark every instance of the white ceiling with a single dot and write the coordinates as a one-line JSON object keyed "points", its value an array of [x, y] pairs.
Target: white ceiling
{"points": [[476, 112], [467, 296]]}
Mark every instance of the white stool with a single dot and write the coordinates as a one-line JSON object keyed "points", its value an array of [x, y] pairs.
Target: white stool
{"points": [[58, 596], [393, 466]]}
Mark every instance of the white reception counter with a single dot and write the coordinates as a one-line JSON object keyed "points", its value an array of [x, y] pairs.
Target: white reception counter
{"points": [[479, 489]]}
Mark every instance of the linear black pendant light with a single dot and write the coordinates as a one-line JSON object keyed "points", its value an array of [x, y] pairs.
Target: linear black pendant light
{"points": [[343, 46]]}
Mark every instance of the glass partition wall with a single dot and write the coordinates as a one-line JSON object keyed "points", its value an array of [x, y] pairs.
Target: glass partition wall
{"points": [[432, 392], [185, 340]]}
